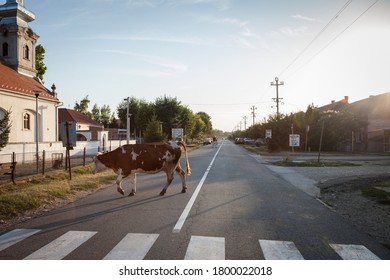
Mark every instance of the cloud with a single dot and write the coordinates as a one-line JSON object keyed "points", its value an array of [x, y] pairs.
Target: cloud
{"points": [[153, 38], [220, 4], [166, 67], [305, 18], [293, 31]]}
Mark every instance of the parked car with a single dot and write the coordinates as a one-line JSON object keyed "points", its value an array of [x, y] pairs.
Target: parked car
{"points": [[239, 141], [207, 141], [249, 141]]}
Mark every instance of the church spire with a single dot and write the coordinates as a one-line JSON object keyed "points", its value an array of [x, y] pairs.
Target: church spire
{"points": [[17, 40]]}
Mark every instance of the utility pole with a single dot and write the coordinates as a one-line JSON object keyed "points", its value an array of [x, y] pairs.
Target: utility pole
{"points": [[245, 117], [277, 99], [128, 115], [253, 108]]}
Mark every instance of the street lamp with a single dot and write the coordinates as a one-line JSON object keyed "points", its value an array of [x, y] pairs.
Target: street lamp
{"points": [[36, 92]]}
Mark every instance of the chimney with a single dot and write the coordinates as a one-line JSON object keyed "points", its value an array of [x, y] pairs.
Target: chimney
{"points": [[346, 99]]}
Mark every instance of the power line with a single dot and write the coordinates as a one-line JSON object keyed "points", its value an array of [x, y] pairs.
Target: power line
{"points": [[317, 36], [338, 35]]}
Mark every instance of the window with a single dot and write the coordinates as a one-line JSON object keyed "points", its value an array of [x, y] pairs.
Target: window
{"points": [[5, 49], [26, 52], [26, 121]]}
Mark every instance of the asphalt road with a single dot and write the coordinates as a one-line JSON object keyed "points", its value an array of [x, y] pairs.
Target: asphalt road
{"points": [[236, 207]]}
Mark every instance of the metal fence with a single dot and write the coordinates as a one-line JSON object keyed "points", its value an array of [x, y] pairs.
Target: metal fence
{"points": [[47, 161]]}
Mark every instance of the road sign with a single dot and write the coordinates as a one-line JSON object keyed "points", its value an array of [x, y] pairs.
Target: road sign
{"points": [[294, 140], [268, 133], [68, 134], [177, 133]]}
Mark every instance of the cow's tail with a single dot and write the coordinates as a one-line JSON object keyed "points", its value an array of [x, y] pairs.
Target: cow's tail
{"points": [[188, 168]]}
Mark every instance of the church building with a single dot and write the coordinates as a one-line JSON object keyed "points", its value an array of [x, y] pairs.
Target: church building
{"points": [[33, 107]]}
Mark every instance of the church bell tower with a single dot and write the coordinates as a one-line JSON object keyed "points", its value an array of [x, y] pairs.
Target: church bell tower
{"points": [[17, 40]]}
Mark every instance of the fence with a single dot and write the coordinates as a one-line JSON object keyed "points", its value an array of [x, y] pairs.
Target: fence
{"points": [[51, 156]]}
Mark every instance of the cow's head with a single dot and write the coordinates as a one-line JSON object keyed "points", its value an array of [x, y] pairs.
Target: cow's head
{"points": [[98, 166]]}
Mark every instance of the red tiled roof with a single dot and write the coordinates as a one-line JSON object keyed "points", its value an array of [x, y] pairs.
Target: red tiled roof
{"points": [[70, 115], [13, 81]]}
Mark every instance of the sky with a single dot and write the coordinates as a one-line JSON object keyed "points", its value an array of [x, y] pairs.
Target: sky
{"points": [[215, 56]]}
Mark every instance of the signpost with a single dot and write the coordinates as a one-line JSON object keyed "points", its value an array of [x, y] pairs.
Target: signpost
{"points": [[69, 137]]}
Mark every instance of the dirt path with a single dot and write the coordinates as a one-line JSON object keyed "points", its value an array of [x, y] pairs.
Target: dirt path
{"points": [[364, 212]]}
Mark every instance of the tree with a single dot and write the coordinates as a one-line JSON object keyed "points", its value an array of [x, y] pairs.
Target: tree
{"points": [[5, 129], [39, 64], [207, 122], [153, 131], [102, 115], [82, 107], [167, 111]]}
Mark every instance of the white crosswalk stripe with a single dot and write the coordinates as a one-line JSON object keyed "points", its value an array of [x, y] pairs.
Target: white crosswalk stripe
{"points": [[353, 252], [62, 246], [280, 250], [10, 238], [206, 248], [135, 246]]}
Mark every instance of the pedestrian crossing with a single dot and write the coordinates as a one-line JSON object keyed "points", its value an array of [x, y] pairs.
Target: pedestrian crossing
{"points": [[135, 246]]}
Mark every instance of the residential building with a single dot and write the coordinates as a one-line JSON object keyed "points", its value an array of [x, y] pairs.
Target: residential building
{"points": [[376, 110], [86, 128]]}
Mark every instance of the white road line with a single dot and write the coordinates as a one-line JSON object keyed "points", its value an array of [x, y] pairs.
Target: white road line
{"points": [[280, 250], [10, 238], [134, 246], [62, 246], [353, 252], [184, 215], [206, 248]]}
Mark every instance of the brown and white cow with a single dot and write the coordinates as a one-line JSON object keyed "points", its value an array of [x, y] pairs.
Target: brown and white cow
{"points": [[129, 160]]}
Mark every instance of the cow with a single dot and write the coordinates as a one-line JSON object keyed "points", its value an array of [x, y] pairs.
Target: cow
{"points": [[128, 160]]}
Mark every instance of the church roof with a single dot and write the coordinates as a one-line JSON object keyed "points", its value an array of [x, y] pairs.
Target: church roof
{"points": [[14, 82]]}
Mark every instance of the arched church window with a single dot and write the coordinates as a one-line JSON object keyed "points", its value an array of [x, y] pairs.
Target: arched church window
{"points": [[26, 121], [5, 49], [26, 52]]}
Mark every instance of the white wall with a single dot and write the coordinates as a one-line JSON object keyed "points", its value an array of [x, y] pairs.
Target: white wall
{"points": [[25, 152], [20, 104]]}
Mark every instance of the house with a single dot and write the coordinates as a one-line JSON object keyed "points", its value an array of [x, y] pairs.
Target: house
{"points": [[335, 106], [375, 136], [86, 128], [376, 110], [33, 107]]}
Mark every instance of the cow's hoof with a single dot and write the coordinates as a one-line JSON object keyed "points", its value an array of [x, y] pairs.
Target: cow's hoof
{"points": [[132, 194], [183, 191], [162, 193], [121, 192]]}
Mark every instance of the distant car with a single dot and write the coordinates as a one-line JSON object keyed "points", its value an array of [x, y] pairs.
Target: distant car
{"points": [[239, 141], [207, 141], [249, 141]]}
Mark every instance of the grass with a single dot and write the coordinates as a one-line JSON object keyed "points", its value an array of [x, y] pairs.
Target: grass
{"points": [[378, 192], [37, 191], [262, 150], [314, 163]]}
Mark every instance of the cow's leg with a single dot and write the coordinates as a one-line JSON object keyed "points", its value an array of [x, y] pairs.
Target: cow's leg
{"points": [[119, 182], [182, 174], [169, 181], [133, 178]]}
